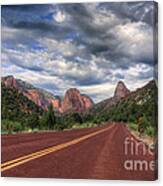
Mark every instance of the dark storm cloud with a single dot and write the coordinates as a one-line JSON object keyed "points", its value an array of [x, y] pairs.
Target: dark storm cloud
{"points": [[14, 14], [94, 37], [85, 44], [85, 80], [135, 11], [38, 19], [97, 39]]}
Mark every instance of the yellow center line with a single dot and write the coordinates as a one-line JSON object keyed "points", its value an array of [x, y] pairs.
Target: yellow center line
{"points": [[21, 160]]}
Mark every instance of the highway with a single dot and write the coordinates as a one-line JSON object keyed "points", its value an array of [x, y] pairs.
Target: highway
{"points": [[106, 152]]}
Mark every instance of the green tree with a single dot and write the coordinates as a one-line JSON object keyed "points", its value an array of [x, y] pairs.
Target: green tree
{"points": [[44, 121], [33, 121], [50, 117], [77, 118], [142, 124]]}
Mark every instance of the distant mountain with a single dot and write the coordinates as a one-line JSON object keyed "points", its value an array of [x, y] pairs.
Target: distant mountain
{"points": [[39, 96], [73, 101], [17, 106], [24, 103], [129, 106], [120, 91], [29, 86]]}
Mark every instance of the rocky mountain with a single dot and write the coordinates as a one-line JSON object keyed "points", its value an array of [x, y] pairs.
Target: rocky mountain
{"points": [[16, 105], [23, 105], [121, 90], [141, 103], [74, 101], [40, 97]]}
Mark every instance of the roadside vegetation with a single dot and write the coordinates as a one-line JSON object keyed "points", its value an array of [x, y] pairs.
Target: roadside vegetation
{"points": [[20, 114], [139, 111]]}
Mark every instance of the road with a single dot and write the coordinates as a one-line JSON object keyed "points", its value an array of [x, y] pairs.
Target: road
{"points": [[106, 152]]}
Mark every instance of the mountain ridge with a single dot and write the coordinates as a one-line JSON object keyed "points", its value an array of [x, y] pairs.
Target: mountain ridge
{"points": [[73, 100], [139, 103], [43, 98], [39, 97], [132, 107], [110, 101]]}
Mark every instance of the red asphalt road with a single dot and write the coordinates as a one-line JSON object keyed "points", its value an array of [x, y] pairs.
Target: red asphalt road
{"points": [[99, 157]]}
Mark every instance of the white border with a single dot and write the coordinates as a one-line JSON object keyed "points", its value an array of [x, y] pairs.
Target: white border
{"points": [[63, 182]]}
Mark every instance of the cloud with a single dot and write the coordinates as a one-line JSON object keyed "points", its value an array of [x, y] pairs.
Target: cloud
{"points": [[88, 46], [59, 17], [133, 36]]}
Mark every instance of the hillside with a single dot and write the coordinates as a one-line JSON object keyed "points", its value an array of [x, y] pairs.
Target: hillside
{"points": [[27, 105], [15, 104], [40, 97], [120, 91], [17, 110], [138, 108], [73, 100]]}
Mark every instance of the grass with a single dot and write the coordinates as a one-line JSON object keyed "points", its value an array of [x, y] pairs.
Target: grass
{"points": [[83, 125], [149, 131], [133, 126]]}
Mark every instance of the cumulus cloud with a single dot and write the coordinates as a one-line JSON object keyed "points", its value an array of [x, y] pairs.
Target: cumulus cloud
{"points": [[88, 46]]}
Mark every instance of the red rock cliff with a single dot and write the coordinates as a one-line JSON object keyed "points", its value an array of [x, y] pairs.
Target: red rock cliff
{"points": [[121, 90], [74, 101], [31, 93]]}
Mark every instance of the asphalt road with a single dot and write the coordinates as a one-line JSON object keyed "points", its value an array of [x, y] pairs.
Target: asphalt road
{"points": [[107, 152]]}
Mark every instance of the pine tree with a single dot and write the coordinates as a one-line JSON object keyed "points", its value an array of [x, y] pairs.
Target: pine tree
{"points": [[50, 117], [33, 121]]}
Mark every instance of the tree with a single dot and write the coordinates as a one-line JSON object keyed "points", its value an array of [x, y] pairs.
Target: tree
{"points": [[48, 119], [44, 121], [33, 121], [51, 117], [142, 124], [77, 118]]}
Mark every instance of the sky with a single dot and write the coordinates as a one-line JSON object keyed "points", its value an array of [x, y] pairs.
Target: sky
{"points": [[87, 46]]}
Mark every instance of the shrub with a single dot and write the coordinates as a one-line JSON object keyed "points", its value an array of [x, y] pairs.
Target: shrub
{"points": [[133, 126], [33, 121], [10, 127], [150, 131]]}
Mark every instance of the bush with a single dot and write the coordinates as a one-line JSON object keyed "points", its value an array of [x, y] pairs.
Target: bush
{"points": [[150, 131], [84, 125], [10, 127], [17, 127], [33, 121], [133, 126], [48, 120]]}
